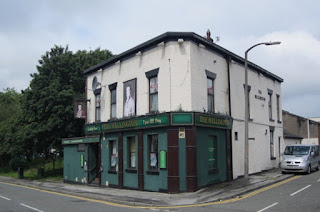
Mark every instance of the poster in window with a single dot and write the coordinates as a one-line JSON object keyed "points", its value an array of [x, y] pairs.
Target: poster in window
{"points": [[153, 160], [133, 160], [129, 98], [113, 160]]}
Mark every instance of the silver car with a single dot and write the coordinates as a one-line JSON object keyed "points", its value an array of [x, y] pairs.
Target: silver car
{"points": [[300, 158]]}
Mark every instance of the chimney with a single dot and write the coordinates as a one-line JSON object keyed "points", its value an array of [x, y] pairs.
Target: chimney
{"points": [[209, 36]]}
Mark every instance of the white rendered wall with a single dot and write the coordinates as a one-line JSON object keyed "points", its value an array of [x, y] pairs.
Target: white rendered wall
{"points": [[202, 60], [174, 85], [259, 126]]}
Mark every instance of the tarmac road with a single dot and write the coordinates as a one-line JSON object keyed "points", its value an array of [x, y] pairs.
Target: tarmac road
{"points": [[238, 195]]}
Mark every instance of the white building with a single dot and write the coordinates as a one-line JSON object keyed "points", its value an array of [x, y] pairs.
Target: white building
{"points": [[182, 72]]}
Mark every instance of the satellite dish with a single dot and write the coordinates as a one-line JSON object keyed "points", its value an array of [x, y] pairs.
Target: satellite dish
{"points": [[95, 84]]}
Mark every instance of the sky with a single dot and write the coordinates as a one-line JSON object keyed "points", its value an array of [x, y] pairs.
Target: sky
{"points": [[29, 28]]}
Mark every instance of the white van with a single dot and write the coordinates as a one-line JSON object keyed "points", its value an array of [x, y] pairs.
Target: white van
{"points": [[300, 158]]}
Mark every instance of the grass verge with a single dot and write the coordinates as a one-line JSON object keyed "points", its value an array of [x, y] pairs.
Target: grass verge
{"points": [[31, 171]]}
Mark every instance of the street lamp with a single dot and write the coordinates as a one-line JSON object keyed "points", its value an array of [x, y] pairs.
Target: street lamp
{"points": [[246, 107]]}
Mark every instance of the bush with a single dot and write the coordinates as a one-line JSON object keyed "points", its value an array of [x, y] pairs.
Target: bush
{"points": [[17, 162]]}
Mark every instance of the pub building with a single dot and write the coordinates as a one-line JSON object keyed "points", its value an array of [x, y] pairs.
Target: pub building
{"points": [[168, 116]]}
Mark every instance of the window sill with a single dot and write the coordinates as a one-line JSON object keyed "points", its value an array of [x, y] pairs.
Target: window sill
{"points": [[213, 171], [112, 172], [131, 170], [151, 172], [271, 120], [273, 158], [279, 122]]}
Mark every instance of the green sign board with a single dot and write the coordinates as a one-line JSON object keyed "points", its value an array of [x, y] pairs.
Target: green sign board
{"points": [[213, 121], [163, 159], [80, 140], [182, 118], [92, 128], [158, 120]]}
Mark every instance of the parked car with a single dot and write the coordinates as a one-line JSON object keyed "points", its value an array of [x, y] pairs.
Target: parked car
{"points": [[300, 158]]}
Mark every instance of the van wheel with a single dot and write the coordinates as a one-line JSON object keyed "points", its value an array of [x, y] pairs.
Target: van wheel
{"points": [[309, 170]]}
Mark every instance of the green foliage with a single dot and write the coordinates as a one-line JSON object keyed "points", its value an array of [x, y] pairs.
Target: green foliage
{"points": [[47, 105], [35, 120], [17, 162]]}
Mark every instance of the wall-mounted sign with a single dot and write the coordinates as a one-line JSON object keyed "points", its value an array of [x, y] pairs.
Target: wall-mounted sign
{"points": [[182, 132], [163, 159], [182, 118], [260, 97], [80, 108], [158, 120], [92, 128], [213, 121], [80, 140]]}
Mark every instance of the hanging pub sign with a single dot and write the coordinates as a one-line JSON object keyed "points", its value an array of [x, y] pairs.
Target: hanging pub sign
{"points": [[80, 108]]}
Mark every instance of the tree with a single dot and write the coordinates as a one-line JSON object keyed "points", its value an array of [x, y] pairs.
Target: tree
{"points": [[9, 113], [47, 105]]}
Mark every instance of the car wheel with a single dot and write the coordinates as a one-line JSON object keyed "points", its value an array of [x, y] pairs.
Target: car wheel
{"points": [[283, 172]]}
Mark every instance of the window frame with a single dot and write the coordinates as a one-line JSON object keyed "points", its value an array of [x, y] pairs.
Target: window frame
{"points": [[270, 92], [98, 107], [154, 94], [132, 151], [155, 151], [272, 144], [113, 155], [151, 75], [278, 108], [210, 76]]}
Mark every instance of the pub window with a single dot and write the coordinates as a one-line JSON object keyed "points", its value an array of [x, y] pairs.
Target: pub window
{"points": [[153, 92], [153, 152], [212, 147], [98, 107], [113, 155], [270, 103], [114, 103], [132, 152], [249, 89], [278, 108], [272, 146], [210, 90], [81, 147]]}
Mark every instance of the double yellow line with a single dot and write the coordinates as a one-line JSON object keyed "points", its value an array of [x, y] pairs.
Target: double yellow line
{"points": [[161, 207]]}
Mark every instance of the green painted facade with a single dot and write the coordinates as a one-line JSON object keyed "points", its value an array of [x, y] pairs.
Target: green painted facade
{"points": [[72, 169], [208, 132], [204, 137], [108, 177], [158, 180], [130, 175]]}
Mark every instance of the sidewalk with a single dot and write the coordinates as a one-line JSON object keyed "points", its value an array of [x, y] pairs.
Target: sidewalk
{"points": [[213, 193]]}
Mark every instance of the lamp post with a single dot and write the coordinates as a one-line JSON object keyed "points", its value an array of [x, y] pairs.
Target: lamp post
{"points": [[246, 114]]}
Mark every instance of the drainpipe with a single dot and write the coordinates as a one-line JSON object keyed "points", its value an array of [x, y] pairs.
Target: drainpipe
{"points": [[229, 143]]}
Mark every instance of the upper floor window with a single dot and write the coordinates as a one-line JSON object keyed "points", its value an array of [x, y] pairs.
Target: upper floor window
{"points": [[249, 102], [278, 108], [270, 104], [210, 90], [113, 102], [98, 108], [153, 90]]}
